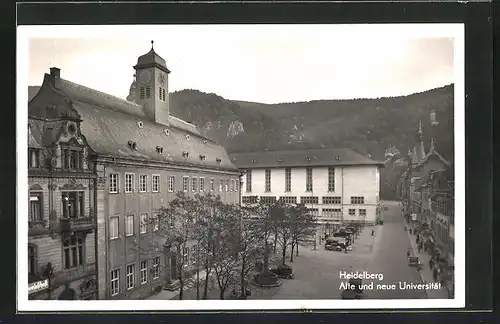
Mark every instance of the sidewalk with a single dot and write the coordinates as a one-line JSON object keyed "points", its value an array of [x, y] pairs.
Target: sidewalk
{"points": [[188, 285], [426, 272]]}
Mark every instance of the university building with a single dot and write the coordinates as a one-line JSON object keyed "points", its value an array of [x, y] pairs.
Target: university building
{"points": [[138, 156], [337, 185]]}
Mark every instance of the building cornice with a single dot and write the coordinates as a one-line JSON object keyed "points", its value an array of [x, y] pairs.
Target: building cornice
{"points": [[61, 174], [283, 166], [132, 162]]}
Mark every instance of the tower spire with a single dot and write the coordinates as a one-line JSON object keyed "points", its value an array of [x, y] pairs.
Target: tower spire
{"points": [[432, 148], [421, 139], [152, 42]]}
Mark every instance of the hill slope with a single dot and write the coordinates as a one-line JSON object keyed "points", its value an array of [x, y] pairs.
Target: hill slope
{"points": [[368, 126]]}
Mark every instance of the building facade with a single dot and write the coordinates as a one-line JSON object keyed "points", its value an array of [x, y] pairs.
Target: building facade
{"points": [[337, 185], [61, 220], [426, 189], [141, 157]]}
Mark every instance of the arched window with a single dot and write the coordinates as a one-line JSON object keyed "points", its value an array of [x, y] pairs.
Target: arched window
{"points": [[74, 254], [32, 262]]}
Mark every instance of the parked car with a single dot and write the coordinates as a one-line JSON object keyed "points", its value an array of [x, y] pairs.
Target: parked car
{"points": [[414, 261], [283, 271]]}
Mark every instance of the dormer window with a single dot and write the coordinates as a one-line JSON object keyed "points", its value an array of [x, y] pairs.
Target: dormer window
{"points": [[218, 160], [280, 159], [140, 124], [72, 157], [254, 161], [185, 154], [33, 158], [159, 149], [337, 158], [187, 137], [202, 157], [205, 141], [166, 131], [308, 158]]}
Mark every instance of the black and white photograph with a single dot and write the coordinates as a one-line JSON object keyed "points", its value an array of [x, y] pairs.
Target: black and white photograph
{"points": [[199, 167]]}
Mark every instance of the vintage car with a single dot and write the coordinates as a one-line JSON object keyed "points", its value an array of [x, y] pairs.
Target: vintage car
{"points": [[283, 271], [414, 261]]}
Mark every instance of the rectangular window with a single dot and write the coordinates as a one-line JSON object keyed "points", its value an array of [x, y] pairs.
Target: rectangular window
{"points": [[332, 212], [289, 200], [309, 200], [237, 184], [232, 185], [352, 212], [156, 268], [227, 185], [156, 183], [268, 180], [148, 91], [113, 227], [249, 181], [288, 179], [309, 179], [249, 199], [171, 183], [129, 225], [144, 272], [73, 204], [163, 92], [331, 179], [362, 212], [221, 185], [194, 182], [73, 249], [212, 184], [113, 183], [36, 207], [129, 182], [268, 199], [130, 276], [185, 184], [115, 282], [144, 223], [143, 182], [313, 212], [357, 200], [202, 184], [331, 200], [143, 93], [33, 158]]}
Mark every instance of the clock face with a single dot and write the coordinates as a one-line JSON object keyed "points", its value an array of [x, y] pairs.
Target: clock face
{"points": [[162, 79], [145, 76]]}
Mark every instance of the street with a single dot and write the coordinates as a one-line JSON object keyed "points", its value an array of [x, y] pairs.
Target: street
{"points": [[317, 272]]}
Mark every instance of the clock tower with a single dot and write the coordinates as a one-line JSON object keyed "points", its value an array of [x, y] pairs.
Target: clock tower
{"points": [[152, 86]]}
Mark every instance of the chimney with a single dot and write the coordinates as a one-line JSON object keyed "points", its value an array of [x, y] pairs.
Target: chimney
{"points": [[55, 72]]}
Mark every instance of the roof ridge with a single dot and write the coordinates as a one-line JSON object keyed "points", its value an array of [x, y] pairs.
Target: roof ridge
{"points": [[104, 94]]}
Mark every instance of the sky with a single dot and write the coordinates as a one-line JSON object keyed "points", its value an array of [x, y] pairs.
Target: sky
{"points": [[259, 63]]}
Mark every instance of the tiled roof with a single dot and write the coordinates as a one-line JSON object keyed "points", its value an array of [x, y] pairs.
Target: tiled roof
{"points": [[33, 127], [110, 123], [32, 91], [151, 57], [295, 158]]}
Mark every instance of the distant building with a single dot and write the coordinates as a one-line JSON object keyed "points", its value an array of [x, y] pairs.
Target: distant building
{"points": [[391, 153], [133, 156], [337, 185]]}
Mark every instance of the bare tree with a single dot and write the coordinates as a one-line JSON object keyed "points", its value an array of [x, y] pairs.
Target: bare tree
{"points": [[303, 225], [282, 216]]}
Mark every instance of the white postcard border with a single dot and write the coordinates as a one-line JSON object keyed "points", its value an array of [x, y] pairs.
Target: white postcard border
{"points": [[24, 33]]}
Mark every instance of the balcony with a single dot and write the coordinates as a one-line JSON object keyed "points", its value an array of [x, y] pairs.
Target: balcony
{"points": [[80, 224]]}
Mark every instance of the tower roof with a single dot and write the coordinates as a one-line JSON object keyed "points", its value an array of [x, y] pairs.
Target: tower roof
{"points": [[151, 58]]}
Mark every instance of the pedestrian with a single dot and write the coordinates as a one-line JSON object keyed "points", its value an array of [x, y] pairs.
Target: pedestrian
{"points": [[431, 264], [410, 231], [418, 239], [419, 248], [435, 273], [408, 253], [373, 232]]}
